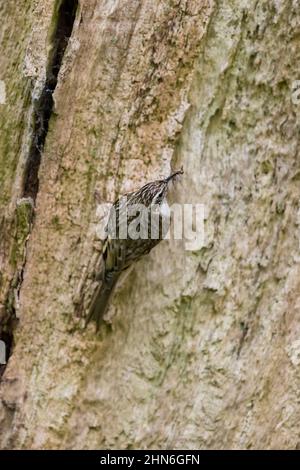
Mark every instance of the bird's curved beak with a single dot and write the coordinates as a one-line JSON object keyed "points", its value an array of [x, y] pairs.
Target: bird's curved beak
{"points": [[173, 175]]}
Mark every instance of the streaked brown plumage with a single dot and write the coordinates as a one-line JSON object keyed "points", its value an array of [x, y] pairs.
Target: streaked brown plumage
{"points": [[118, 254]]}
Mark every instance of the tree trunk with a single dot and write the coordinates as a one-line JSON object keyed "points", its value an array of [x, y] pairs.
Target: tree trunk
{"points": [[203, 348]]}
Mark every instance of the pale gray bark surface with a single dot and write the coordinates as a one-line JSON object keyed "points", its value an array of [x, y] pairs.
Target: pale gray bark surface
{"points": [[204, 348]]}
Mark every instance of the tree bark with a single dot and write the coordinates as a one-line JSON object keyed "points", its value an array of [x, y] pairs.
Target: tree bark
{"points": [[203, 348]]}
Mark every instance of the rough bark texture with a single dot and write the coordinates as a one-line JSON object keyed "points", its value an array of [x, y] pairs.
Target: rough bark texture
{"points": [[204, 349]]}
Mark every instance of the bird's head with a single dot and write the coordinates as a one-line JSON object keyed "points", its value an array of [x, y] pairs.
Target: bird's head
{"points": [[161, 187]]}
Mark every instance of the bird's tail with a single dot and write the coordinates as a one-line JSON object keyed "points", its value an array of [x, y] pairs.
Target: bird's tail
{"points": [[100, 302]]}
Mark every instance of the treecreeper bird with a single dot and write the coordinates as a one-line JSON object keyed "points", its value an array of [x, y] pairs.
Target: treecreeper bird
{"points": [[137, 222]]}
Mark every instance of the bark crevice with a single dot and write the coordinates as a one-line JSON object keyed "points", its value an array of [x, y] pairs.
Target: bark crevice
{"points": [[64, 18], [43, 106]]}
